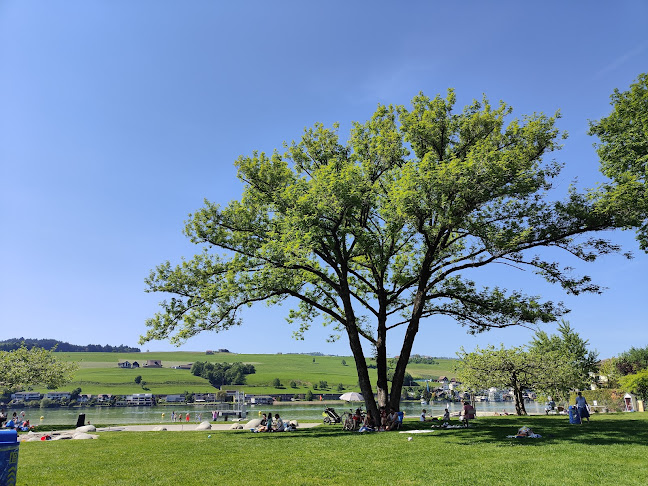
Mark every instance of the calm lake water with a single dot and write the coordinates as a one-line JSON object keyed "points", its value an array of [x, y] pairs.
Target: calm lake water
{"points": [[302, 411]]}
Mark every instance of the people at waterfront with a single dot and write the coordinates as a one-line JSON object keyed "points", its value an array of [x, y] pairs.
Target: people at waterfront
{"points": [[446, 416], [550, 406], [187, 417], [468, 412], [279, 425], [367, 423], [392, 420], [582, 406]]}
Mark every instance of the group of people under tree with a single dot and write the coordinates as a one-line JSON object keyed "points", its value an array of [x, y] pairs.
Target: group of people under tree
{"points": [[365, 422]]}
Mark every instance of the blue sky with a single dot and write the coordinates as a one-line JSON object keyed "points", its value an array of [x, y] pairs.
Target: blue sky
{"points": [[117, 118]]}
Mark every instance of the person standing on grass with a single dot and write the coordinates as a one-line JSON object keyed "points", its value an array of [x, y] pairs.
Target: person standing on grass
{"points": [[582, 406]]}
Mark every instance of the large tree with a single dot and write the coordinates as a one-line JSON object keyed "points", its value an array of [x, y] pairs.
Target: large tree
{"points": [[623, 152], [385, 230], [516, 368], [577, 366], [35, 366]]}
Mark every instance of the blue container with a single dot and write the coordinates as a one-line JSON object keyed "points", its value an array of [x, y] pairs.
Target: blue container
{"points": [[574, 416], [8, 457]]}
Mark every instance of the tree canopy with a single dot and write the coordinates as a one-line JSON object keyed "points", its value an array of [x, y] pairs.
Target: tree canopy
{"points": [[516, 368], [623, 152], [35, 366], [575, 364], [386, 230]]}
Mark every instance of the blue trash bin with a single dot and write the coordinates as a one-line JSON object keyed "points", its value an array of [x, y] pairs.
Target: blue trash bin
{"points": [[8, 457], [574, 416]]}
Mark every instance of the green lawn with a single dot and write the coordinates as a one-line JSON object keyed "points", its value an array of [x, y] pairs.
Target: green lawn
{"points": [[98, 372], [612, 449]]}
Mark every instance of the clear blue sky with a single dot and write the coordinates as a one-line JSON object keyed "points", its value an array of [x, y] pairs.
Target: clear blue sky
{"points": [[118, 117]]}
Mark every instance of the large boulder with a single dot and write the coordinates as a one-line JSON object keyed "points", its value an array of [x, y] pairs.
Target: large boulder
{"points": [[252, 424], [86, 429], [159, 428], [236, 427], [83, 435], [204, 426]]}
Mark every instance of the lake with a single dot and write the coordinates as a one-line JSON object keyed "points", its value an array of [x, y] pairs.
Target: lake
{"points": [[302, 411]]}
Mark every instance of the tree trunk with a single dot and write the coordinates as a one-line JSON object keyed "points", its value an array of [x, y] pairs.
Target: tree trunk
{"points": [[361, 368], [519, 400]]}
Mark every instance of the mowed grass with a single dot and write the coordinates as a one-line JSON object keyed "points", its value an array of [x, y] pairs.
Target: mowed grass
{"points": [[612, 449], [98, 372]]}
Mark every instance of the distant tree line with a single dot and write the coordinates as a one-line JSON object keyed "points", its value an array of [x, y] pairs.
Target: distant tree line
{"points": [[219, 374], [418, 359], [53, 344]]}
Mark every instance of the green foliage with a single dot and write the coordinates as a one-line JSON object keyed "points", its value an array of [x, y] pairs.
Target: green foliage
{"points": [[309, 395], [35, 366], [637, 383], [633, 360], [378, 233], [344, 362], [574, 365], [418, 359], [609, 373], [219, 374], [610, 399], [323, 384], [340, 387], [276, 383], [623, 153], [516, 368], [138, 379], [62, 346], [293, 384]]}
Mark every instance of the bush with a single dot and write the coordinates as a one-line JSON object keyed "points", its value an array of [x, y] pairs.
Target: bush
{"points": [[276, 383], [323, 384], [293, 384], [309, 396], [340, 387], [605, 397]]}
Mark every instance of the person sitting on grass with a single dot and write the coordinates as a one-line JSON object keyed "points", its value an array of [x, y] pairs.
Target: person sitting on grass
{"points": [[357, 418], [367, 424], [392, 420], [279, 425], [383, 418], [446, 416], [422, 417]]}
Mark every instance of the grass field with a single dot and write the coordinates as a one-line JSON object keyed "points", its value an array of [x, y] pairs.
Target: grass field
{"points": [[612, 449], [98, 372]]}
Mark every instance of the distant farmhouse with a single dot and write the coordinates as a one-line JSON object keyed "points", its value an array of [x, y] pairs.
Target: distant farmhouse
{"points": [[153, 363], [127, 364]]}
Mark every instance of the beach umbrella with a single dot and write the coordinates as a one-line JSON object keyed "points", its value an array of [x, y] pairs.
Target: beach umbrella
{"points": [[352, 397]]}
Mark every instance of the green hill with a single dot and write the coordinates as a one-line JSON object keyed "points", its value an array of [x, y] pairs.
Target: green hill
{"points": [[99, 373]]}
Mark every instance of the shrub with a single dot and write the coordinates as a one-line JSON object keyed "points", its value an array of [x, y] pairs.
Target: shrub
{"points": [[276, 383], [293, 384], [309, 396]]}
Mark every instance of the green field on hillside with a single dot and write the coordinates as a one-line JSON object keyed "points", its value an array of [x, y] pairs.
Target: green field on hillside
{"points": [[99, 373]]}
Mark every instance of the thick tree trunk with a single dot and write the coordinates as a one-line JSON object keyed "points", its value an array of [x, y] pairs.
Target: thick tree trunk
{"points": [[519, 399], [401, 366], [361, 368]]}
